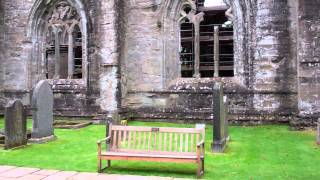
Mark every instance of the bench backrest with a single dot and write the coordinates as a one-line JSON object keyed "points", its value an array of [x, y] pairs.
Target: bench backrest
{"points": [[161, 139]]}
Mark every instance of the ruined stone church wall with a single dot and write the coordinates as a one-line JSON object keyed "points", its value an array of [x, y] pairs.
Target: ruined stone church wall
{"points": [[264, 86], [14, 73]]}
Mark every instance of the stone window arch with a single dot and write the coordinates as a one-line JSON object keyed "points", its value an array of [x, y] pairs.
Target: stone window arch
{"points": [[58, 31], [186, 45]]}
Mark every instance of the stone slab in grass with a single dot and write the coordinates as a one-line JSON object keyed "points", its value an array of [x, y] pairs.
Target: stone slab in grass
{"points": [[61, 124]]}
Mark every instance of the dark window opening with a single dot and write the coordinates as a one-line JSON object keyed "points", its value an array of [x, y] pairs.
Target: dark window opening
{"points": [[77, 53], [187, 49], [212, 19], [64, 48]]}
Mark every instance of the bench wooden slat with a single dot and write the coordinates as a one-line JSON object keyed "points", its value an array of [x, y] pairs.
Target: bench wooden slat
{"points": [[155, 141], [161, 129], [139, 140], [160, 141], [197, 138], [181, 142], [170, 142], [134, 145], [175, 141], [129, 139], [139, 151], [165, 141], [125, 138], [149, 140], [144, 140], [190, 156], [187, 142], [114, 139], [192, 142], [119, 139]]}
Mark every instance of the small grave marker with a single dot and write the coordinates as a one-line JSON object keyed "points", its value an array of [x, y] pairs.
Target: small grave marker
{"points": [[220, 123], [15, 125], [42, 113]]}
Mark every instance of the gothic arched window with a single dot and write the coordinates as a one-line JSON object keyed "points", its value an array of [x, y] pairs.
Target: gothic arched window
{"points": [[58, 31], [63, 46]]}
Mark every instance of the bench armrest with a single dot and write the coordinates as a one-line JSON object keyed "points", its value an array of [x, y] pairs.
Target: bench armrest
{"points": [[102, 140], [201, 143], [200, 148]]}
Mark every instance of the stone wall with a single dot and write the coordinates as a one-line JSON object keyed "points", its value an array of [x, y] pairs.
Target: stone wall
{"points": [[308, 63], [134, 67], [1, 44], [262, 91], [13, 45], [273, 68], [72, 98]]}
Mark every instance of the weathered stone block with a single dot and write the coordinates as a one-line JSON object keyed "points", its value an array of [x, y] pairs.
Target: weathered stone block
{"points": [[15, 125]]}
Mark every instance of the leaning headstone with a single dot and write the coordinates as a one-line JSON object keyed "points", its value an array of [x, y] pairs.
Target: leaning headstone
{"points": [[318, 132], [15, 125], [220, 123], [42, 113]]}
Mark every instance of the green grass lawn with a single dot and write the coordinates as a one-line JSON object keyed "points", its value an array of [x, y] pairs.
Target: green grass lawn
{"points": [[264, 152]]}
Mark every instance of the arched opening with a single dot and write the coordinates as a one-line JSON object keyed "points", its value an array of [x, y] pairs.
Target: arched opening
{"points": [[58, 30], [77, 35], [187, 45]]}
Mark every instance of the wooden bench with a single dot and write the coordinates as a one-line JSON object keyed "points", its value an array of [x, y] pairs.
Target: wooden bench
{"points": [[183, 145]]}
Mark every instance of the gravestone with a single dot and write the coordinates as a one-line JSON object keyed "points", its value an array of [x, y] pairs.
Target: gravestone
{"points": [[15, 125], [42, 113], [220, 122], [318, 132]]}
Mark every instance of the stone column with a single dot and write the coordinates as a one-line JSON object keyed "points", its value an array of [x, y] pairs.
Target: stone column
{"points": [[196, 19], [70, 55], [216, 51], [109, 77], [56, 31]]}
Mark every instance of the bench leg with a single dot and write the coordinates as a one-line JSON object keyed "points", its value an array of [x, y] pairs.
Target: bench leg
{"points": [[202, 165], [109, 163], [99, 165], [200, 170]]}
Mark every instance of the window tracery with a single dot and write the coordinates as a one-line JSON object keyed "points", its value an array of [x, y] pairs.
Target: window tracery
{"points": [[64, 43]]}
